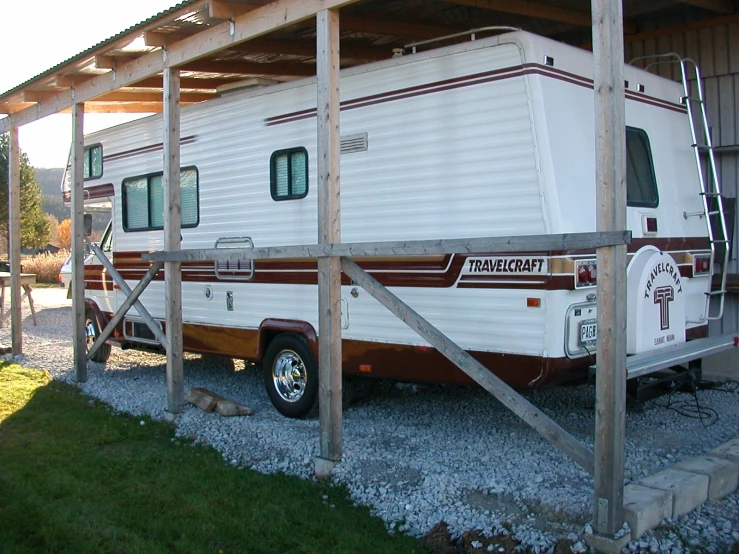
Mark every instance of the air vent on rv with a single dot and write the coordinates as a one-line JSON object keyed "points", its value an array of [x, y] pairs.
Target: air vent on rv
{"points": [[354, 143]]}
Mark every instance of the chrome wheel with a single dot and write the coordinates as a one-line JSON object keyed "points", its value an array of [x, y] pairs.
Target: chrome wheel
{"points": [[289, 376]]}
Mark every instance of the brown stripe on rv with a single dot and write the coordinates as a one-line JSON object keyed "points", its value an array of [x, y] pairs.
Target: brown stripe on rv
{"points": [[469, 80], [93, 192], [146, 149]]}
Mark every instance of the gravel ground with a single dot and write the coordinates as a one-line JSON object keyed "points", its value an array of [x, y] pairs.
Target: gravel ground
{"points": [[423, 455]]}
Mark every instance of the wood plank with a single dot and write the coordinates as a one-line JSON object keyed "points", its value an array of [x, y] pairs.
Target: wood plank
{"points": [[483, 376], [123, 309], [398, 28], [14, 242], [329, 231], [721, 50], [610, 141], [151, 323], [172, 242], [721, 6], [112, 62], [251, 68], [125, 96], [218, 9], [528, 243], [186, 83], [693, 26], [78, 243], [706, 60], [308, 48], [530, 9], [263, 20]]}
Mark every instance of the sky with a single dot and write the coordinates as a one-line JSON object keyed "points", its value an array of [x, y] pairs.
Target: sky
{"points": [[34, 40]]}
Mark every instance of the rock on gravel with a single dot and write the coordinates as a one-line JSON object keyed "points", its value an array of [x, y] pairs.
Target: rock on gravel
{"points": [[423, 455]]}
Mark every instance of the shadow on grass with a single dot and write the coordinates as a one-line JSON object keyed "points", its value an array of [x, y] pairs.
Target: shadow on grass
{"points": [[78, 478]]}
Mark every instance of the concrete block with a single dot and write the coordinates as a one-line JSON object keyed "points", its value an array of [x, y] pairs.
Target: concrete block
{"points": [[689, 490], [645, 508], [324, 467], [209, 401], [608, 544], [723, 474], [728, 450]]}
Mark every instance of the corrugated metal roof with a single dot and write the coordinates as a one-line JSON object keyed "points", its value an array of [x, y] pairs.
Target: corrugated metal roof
{"points": [[101, 44]]}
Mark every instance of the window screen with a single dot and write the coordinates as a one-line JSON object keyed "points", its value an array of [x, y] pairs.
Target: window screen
{"points": [[93, 162], [641, 185], [289, 174], [143, 201]]}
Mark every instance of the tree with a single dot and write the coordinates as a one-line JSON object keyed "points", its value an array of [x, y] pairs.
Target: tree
{"points": [[35, 228], [53, 229], [65, 234]]}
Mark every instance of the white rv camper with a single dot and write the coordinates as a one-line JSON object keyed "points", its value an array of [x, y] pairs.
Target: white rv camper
{"points": [[488, 138]]}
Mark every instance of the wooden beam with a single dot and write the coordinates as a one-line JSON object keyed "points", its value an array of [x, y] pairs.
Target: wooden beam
{"points": [[120, 107], [529, 413], [721, 6], [78, 243], [160, 40], [186, 83], [14, 242], [329, 231], [132, 96], [610, 175], [172, 241], [308, 48], [530, 9], [268, 18], [69, 81], [250, 68], [131, 299], [112, 62], [398, 28], [695, 26], [217, 9]]}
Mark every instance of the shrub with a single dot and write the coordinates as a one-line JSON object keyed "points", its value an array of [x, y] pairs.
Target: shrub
{"points": [[45, 266]]}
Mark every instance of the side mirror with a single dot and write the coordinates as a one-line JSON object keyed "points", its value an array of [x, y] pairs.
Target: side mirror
{"points": [[87, 224]]}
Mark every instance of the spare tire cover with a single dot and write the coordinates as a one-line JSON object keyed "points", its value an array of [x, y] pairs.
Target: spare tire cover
{"points": [[655, 301]]}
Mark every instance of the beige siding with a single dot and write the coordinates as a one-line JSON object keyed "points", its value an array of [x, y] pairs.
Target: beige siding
{"points": [[716, 50]]}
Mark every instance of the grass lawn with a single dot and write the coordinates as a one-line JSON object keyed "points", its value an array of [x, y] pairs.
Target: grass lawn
{"points": [[75, 477]]}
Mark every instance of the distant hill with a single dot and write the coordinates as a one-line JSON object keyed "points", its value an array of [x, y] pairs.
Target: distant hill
{"points": [[50, 180]]}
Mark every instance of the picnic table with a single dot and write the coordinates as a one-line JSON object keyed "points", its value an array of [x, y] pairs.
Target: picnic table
{"points": [[27, 279]]}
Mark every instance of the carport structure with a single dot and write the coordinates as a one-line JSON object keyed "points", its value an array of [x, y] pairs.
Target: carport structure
{"points": [[194, 50]]}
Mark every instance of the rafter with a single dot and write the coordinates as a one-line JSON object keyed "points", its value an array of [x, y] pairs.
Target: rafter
{"points": [[68, 81], [531, 9], [160, 40], [261, 21], [250, 68], [186, 83], [217, 9], [308, 48], [721, 6], [112, 62], [398, 28]]}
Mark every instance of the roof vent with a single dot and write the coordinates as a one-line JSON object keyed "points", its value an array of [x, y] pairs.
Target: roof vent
{"points": [[354, 143]]}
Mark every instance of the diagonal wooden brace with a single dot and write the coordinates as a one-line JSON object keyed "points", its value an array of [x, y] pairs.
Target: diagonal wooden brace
{"points": [[123, 310], [489, 381], [145, 315]]}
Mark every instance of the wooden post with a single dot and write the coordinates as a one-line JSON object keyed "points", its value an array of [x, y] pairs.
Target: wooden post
{"points": [[172, 241], [610, 146], [329, 231], [14, 242], [78, 252]]}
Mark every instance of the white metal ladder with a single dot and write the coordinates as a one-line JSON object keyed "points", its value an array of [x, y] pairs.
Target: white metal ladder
{"points": [[713, 200]]}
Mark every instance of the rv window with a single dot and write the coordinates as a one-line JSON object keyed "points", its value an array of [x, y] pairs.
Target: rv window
{"points": [[143, 201], [289, 174], [641, 185], [93, 162]]}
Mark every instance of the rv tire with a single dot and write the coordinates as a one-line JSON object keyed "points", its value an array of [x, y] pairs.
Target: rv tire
{"points": [[291, 375], [92, 331]]}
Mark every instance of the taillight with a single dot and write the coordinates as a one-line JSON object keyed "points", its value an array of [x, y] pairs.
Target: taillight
{"points": [[586, 273], [701, 264]]}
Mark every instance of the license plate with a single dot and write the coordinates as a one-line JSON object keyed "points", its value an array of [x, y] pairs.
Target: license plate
{"points": [[588, 332]]}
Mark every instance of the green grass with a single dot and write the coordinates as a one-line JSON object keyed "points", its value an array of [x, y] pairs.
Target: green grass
{"points": [[75, 477]]}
